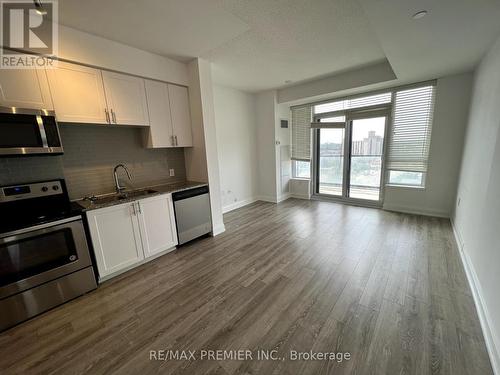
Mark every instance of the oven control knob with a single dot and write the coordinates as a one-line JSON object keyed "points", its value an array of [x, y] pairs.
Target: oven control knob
{"points": [[72, 258], [45, 188], [55, 188]]}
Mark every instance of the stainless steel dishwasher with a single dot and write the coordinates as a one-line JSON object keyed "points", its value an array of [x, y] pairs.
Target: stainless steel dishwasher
{"points": [[192, 213]]}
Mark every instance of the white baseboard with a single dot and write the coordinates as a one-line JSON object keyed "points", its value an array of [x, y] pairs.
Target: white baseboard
{"points": [[481, 307], [300, 196], [266, 198], [218, 229], [416, 211], [239, 204], [284, 197]]}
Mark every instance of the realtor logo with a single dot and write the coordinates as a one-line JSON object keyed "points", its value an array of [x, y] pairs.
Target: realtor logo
{"points": [[28, 34]]}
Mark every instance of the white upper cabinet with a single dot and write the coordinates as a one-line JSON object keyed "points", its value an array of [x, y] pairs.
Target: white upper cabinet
{"points": [[78, 94], [157, 223], [25, 88], [181, 118], [160, 132], [86, 95], [169, 115], [126, 98]]}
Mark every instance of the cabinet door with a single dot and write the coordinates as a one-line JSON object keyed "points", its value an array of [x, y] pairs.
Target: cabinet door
{"points": [[78, 94], [181, 118], [157, 223], [126, 98], [116, 238], [160, 129], [25, 88]]}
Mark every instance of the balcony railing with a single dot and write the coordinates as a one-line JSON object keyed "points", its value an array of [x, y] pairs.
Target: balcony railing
{"points": [[365, 176]]}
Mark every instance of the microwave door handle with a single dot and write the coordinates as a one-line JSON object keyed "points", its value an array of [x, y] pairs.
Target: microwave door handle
{"points": [[41, 128]]}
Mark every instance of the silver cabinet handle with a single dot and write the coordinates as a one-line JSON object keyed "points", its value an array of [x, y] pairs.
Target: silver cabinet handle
{"points": [[107, 115], [134, 210], [113, 116], [139, 208], [177, 144], [172, 140]]}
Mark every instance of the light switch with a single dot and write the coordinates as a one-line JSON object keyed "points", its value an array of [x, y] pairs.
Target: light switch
{"points": [[172, 172]]}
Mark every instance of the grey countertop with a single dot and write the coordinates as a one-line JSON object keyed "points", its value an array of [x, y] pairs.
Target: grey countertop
{"points": [[88, 205]]}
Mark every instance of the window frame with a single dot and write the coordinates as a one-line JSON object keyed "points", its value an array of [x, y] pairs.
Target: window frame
{"points": [[392, 90], [387, 176], [410, 186], [294, 170], [382, 110]]}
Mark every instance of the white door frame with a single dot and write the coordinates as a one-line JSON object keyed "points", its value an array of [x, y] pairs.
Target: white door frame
{"points": [[350, 116]]}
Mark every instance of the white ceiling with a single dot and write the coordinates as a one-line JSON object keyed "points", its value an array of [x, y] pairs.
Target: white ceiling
{"points": [[181, 29], [294, 40], [452, 38], [260, 44]]}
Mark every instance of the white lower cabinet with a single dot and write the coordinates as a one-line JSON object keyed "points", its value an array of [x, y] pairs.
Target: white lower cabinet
{"points": [[127, 234], [157, 224]]}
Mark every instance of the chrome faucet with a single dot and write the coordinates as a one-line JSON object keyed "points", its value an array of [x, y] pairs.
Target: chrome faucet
{"points": [[119, 189]]}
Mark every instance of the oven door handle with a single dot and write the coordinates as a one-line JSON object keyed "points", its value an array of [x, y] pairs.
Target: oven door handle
{"points": [[38, 227]]}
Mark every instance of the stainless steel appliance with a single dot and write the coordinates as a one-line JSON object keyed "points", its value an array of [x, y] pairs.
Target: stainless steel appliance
{"points": [[28, 132], [44, 256], [192, 213]]}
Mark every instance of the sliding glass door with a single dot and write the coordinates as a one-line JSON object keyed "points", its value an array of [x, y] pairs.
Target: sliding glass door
{"points": [[349, 157], [331, 161], [366, 158]]}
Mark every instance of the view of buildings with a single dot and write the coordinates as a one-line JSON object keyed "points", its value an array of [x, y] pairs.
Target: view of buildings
{"points": [[373, 145]]}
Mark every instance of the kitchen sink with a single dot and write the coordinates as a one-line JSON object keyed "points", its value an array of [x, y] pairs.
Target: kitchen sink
{"points": [[122, 196], [136, 193]]}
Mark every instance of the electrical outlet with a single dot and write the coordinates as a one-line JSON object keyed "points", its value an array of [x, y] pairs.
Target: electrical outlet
{"points": [[172, 172]]}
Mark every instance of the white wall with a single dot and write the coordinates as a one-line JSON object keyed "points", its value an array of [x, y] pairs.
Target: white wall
{"points": [[283, 157], [236, 124], [450, 120], [477, 216], [77, 46], [359, 77], [196, 156], [267, 118], [202, 162]]}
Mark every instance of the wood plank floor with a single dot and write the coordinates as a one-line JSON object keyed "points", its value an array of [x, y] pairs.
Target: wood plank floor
{"points": [[387, 288]]}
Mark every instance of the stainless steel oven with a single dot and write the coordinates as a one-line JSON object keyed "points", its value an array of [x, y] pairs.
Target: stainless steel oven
{"points": [[29, 132], [33, 256], [44, 256]]}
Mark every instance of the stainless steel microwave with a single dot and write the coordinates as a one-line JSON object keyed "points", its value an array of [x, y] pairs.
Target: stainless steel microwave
{"points": [[29, 132]]}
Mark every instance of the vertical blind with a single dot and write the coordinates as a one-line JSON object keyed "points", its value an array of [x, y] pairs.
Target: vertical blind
{"points": [[301, 133], [411, 132]]}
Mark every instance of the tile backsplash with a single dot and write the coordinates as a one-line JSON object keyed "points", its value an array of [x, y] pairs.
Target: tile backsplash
{"points": [[90, 153]]}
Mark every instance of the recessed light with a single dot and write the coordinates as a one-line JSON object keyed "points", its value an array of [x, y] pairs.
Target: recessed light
{"points": [[420, 14]]}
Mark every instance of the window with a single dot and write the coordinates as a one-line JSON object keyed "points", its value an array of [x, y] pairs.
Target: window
{"points": [[301, 133], [301, 142], [406, 178], [411, 136], [355, 102], [332, 119], [301, 169]]}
